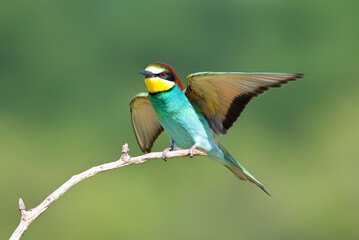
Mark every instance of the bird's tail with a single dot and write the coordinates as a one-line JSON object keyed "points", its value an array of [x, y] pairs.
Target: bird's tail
{"points": [[239, 171]]}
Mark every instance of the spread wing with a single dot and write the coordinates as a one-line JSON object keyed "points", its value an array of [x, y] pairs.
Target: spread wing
{"points": [[222, 96], [144, 121]]}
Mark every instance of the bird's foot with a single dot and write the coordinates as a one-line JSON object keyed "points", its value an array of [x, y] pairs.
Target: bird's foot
{"points": [[164, 153], [190, 151]]}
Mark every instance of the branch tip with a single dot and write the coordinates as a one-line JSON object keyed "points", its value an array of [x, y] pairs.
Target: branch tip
{"points": [[125, 148], [21, 205]]}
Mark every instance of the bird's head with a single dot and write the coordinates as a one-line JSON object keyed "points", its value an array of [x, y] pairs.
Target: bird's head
{"points": [[160, 77]]}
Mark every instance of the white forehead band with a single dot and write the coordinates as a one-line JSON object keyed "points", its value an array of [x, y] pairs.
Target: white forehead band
{"points": [[154, 69]]}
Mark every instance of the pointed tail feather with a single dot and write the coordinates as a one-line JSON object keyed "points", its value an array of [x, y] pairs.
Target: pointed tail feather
{"points": [[239, 171], [244, 175]]}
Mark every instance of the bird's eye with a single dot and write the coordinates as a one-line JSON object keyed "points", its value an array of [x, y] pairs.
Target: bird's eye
{"points": [[163, 74]]}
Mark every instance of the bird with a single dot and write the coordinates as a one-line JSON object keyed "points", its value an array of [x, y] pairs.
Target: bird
{"points": [[194, 116]]}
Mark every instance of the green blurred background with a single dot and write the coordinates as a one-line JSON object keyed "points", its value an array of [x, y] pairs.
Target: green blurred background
{"points": [[68, 70]]}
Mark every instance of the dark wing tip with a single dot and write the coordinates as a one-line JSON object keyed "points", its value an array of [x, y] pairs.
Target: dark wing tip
{"points": [[279, 84], [299, 75], [148, 149], [241, 101]]}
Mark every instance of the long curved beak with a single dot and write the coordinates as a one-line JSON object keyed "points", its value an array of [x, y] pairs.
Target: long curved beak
{"points": [[146, 73]]}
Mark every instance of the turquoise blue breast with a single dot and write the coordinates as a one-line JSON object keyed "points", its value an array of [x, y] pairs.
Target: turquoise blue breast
{"points": [[183, 124]]}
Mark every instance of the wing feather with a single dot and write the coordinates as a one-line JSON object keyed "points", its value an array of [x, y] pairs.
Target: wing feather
{"points": [[144, 121], [222, 96]]}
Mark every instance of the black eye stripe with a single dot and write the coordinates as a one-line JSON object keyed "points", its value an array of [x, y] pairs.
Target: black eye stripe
{"points": [[168, 76]]}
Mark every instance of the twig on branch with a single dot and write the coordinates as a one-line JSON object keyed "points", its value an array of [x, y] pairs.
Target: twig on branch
{"points": [[28, 216]]}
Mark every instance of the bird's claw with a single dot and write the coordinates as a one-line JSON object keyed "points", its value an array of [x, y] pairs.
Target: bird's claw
{"points": [[191, 150], [164, 153]]}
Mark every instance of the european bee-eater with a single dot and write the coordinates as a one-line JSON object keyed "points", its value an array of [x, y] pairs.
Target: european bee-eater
{"points": [[193, 117]]}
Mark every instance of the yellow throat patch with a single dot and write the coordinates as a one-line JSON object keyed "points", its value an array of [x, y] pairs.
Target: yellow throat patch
{"points": [[155, 85]]}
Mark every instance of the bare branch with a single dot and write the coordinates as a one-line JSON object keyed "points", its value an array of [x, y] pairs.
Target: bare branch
{"points": [[27, 217]]}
